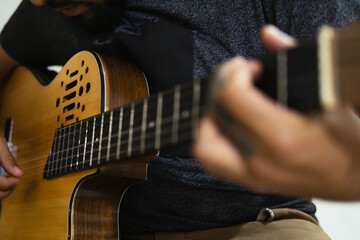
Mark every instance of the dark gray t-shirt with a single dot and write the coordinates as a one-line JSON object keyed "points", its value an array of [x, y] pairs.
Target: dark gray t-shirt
{"points": [[173, 42]]}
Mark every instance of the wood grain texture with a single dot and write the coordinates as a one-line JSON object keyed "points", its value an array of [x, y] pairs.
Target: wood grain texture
{"points": [[39, 209], [346, 52]]}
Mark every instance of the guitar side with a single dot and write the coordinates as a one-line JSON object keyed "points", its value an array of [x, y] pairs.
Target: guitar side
{"points": [[82, 205]]}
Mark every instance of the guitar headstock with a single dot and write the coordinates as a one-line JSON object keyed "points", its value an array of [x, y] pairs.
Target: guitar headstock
{"points": [[339, 67]]}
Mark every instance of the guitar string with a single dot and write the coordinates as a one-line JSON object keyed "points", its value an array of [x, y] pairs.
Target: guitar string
{"points": [[53, 131], [166, 131], [71, 135], [182, 137], [126, 116], [136, 130]]}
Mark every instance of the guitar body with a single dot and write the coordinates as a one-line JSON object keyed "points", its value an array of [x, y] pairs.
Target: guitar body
{"points": [[82, 205]]}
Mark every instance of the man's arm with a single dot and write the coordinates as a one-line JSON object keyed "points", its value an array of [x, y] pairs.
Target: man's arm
{"points": [[312, 156], [7, 64], [7, 161]]}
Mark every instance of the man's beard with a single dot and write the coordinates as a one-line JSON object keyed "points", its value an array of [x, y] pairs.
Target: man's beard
{"points": [[106, 16]]}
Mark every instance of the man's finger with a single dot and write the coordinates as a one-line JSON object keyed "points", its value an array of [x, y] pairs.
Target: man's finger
{"points": [[253, 109], [4, 194], [7, 184], [275, 40], [7, 161], [216, 152]]}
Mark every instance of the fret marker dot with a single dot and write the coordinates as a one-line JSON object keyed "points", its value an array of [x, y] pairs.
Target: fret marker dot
{"points": [[185, 114], [151, 124]]}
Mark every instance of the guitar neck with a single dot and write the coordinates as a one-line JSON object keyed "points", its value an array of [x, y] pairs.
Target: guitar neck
{"points": [[318, 75], [164, 120]]}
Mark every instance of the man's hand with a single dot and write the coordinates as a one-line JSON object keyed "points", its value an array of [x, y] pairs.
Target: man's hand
{"points": [[7, 161], [311, 156]]}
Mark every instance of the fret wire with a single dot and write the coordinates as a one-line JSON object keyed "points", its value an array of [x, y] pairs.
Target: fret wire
{"points": [[157, 130], [196, 104], [55, 151], [119, 133], [65, 143], [131, 129], [92, 140], [164, 121], [182, 137], [85, 143], [109, 137], [101, 133], [167, 130], [105, 122], [123, 151], [58, 151], [78, 147], [72, 148], [176, 114], [67, 152], [66, 139], [158, 120], [48, 162], [79, 122], [51, 165], [62, 130], [143, 126]]}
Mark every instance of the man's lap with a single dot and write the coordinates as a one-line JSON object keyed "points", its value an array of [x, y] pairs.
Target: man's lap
{"points": [[287, 224]]}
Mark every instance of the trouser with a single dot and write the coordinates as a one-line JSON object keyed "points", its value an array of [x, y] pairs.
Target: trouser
{"points": [[287, 224]]}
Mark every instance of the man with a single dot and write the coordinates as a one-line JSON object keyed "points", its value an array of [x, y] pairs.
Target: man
{"points": [[172, 43], [315, 156]]}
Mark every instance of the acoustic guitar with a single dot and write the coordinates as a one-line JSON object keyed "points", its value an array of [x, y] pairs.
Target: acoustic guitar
{"points": [[83, 139]]}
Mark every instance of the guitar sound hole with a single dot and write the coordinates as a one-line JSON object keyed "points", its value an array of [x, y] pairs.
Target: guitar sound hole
{"points": [[68, 118], [69, 96], [87, 87], [74, 73], [71, 85], [68, 107]]}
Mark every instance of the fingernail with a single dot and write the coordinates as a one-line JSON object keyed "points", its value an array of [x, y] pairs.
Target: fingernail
{"points": [[17, 170], [285, 38]]}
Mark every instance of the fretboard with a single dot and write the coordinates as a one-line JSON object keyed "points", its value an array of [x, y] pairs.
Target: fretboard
{"points": [[167, 119]]}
